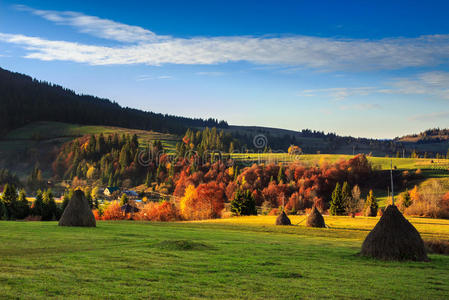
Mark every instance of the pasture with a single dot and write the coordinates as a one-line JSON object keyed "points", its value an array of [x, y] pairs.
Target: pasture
{"points": [[236, 258]]}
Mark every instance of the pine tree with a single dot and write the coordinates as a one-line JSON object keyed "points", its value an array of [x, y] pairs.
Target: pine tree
{"points": [[23, 206], [3, 212], [124, 199], [243, 204], [371, 205], [337, 206], [49, 206], [148, 179], [9, 199], [111, 180], [37, 208], [281, 174], [346, 194]]}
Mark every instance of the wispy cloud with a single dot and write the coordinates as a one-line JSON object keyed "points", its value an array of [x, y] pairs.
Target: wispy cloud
{"points": [[150, 77], [361, 106], [95, 26], [142, 46], [434, 83], [210, 73], [444, 115], [338, 93]]}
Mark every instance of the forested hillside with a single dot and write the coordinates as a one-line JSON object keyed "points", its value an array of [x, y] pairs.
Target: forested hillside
{"points": [[25, 100]]}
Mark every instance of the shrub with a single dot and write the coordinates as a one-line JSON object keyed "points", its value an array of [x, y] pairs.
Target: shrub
{"points": [[429, 201], [274, 212], [113, 212], [437, 246], [158, 211], [97, 214]]}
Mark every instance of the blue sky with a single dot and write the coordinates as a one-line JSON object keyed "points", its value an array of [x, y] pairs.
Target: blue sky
{"points": [[377, 69]]}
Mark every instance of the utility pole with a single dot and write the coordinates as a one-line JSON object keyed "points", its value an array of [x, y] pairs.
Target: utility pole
{"points": [[391, 175]]}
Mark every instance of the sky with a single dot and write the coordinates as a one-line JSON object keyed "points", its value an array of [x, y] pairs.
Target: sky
{"points": [[362, 68]]}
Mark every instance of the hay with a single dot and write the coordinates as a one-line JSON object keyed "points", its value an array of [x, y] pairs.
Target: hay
{"points": [[282, 219], [315, 219], [394, 238], [78, 212]]}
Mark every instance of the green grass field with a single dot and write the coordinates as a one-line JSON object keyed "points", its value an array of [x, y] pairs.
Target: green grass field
{"points": [[238, 258], [53, 130], [381, 163]]}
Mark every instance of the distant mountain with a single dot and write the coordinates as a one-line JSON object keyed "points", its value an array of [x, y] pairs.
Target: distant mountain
{"points": [[24, 100]]}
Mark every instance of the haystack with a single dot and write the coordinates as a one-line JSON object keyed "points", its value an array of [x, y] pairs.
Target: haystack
{"points": [[282, 219], [315, 219], [77, 212], [394, 238]]}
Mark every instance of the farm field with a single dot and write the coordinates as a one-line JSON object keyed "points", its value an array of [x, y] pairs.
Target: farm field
{"points": [[229, 258], [380, 163]]}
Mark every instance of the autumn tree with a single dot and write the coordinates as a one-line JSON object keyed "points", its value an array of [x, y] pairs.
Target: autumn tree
{"points": [[371, 205], [354, 204]]}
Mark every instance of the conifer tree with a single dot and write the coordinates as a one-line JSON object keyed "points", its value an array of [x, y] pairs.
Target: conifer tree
{"points": [[371, 205], [337, 206], [243, 204], [37, 208], [346, 193], [49, 206], [281, 174], [124, 199], [9, 199], [23, 206]]}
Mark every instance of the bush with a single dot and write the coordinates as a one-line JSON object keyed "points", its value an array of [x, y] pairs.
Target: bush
{"points": [[113, 212], [437, 246], [429, 201], [158, 211]]}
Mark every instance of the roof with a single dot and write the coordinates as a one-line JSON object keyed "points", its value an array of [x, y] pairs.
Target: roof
{"points": [[131, 193], [111, 189]]}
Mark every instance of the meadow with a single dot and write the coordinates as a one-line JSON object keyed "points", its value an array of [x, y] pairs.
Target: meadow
{"points": [[236, 258]]}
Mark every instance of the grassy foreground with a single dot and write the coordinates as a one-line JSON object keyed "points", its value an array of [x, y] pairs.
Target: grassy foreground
{"points": [[227, 259]]}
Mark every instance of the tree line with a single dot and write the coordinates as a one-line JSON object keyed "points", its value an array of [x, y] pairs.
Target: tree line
{"points": [[26, 100]]}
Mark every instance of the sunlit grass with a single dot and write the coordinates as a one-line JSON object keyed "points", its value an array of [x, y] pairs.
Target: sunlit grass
{"points": [[238, 258]]}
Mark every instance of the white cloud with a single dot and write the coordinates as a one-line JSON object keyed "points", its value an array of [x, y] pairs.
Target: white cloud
{"points": [[142, 46], [95, 26], [434, 83]]}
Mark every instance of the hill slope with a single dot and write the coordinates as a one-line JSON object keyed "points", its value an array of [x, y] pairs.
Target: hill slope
{"points": [[25, 100], [40, 142]]}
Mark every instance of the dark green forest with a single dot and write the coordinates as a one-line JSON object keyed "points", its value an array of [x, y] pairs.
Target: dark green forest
{"points": [[24, 100]]}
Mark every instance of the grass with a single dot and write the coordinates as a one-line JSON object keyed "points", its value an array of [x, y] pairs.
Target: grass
{"points": [[381, 163], [245, 258], [52, 130]]}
